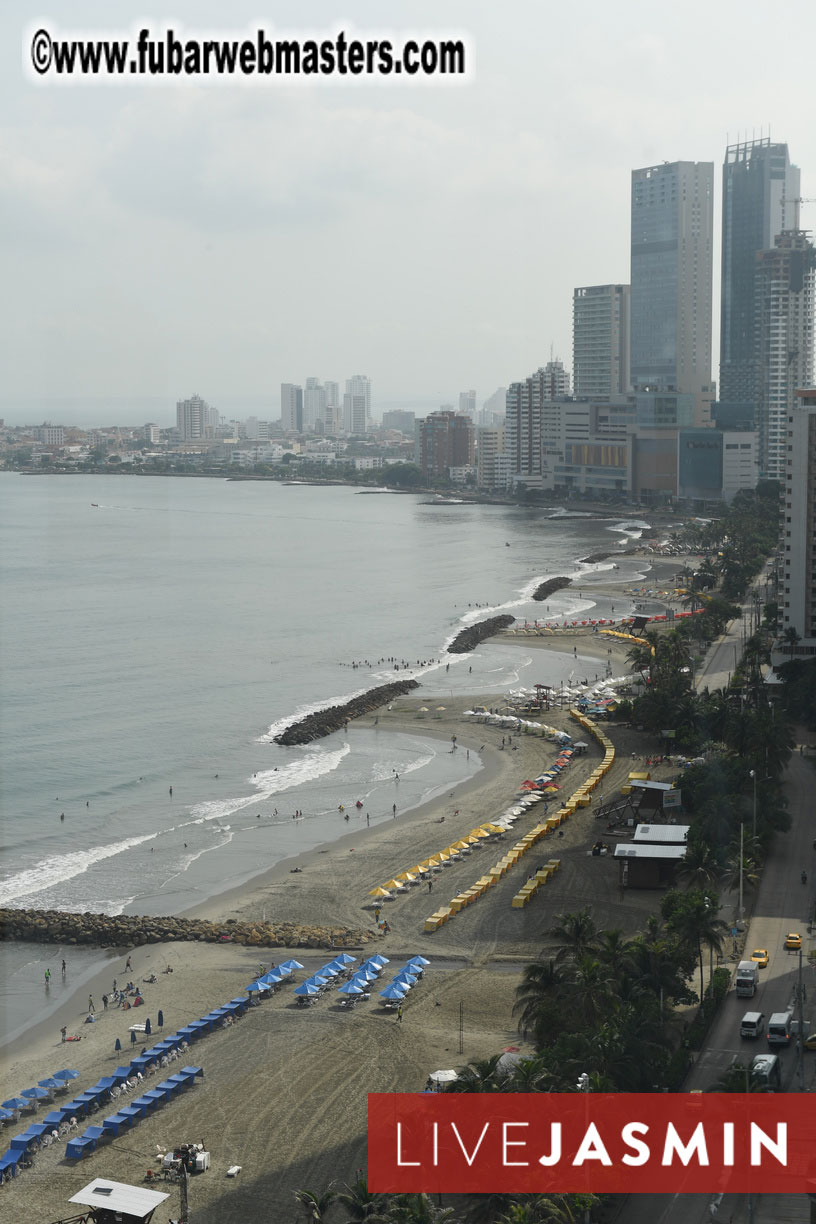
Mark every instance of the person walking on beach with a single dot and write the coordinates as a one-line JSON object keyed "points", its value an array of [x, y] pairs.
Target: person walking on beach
{"points": [[399, 1014], [47, 976], [64, 968], [91, 1008], [64, 1032], [430, 886], [394, 809], [104, 1002]]}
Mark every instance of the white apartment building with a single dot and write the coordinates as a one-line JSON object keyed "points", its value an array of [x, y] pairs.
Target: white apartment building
{"points": [[600, 340], [784, 294], [490, 448], [797, 598], [314, 404], [195, 419], [357, 404]]}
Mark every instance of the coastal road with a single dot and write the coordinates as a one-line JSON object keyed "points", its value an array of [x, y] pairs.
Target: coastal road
{"points": [[782, 905], [723, 655]]}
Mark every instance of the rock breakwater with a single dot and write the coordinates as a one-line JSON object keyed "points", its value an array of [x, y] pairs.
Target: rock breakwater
{"points": [[545, 589], [324, 722], [132, 930], [470, 638]]}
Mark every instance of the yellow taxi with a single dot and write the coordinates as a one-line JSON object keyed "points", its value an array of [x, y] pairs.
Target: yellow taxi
{"points": [[810, 1042], [793, 941], [760, 957]]}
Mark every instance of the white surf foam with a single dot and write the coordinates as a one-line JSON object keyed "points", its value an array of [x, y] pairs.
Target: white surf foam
{"points": [[315, 764], [58, 868]]}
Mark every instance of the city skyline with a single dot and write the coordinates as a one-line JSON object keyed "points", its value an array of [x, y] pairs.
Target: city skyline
{"points": [[154, 252]]}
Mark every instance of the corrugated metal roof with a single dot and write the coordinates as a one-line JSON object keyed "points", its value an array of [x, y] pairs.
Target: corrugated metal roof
{"points": [[650, 852], [661, 834], [655, 786], [118, 1196]]}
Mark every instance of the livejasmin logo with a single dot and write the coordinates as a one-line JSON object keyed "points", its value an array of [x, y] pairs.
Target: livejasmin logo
{"points": [[592, 1146], [604, 1143]]}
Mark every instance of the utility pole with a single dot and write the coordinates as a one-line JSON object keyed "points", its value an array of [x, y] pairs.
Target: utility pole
{"points": [[742, 839], [800, 994], [753, 827]]}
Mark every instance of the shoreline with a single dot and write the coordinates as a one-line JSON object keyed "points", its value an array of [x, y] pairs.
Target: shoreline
{"points": [[303, 1075], [240, 897]]}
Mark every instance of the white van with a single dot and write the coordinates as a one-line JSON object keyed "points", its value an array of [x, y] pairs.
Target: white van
{"points": [[752, 1024], [779, 1028], [766, 1070]]}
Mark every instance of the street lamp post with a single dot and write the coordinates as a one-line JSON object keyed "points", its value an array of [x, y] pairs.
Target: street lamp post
{"points": [[753, 826], [742, 837]]}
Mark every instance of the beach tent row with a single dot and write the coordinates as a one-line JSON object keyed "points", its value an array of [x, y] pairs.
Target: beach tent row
{"points": [[520, 725], [267, 982], [404, 980], [580, 798], [534, 882], [129, 1115], [23, 1147], [356, 981], [491, 831], [108, 1087]]}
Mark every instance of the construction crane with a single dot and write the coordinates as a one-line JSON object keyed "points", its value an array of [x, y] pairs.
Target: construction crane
{"points": [[796, 202]]}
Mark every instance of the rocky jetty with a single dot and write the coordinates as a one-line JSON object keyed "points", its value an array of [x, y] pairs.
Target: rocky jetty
{"points": [[470, 638], [132, 930], [324, 722], [604, 556], [545, 589]]}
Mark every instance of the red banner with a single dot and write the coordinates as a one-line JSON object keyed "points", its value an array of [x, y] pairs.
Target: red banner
{"points": [[603, 1143]]}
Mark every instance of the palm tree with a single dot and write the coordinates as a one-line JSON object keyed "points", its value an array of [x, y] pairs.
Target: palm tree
{"points": [[576, 934], [417, 1209], [548, 1209], [362, 1205], [693, 918], [538, 994], [737, 1078], [700, 866], [791, 638], [315, 1205], [480, 1076]]}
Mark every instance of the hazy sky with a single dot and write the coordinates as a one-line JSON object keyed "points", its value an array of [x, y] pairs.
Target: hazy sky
{"points": [[160, 241]]}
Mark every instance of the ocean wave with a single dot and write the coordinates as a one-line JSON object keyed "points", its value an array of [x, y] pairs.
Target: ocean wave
{"points": [[315, 764], [58, 868]]}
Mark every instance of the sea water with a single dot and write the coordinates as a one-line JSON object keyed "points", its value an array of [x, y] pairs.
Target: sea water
{"points": [[157, 633]]}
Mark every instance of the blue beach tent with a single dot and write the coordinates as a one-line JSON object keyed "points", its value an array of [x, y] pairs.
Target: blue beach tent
{"points": [[394, 991]]}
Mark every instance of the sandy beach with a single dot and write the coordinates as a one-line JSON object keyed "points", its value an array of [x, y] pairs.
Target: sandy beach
{"points": [[284, 1090]]}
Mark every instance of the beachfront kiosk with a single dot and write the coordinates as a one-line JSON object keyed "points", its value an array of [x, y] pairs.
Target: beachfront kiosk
{"points": [[117, 1203]]}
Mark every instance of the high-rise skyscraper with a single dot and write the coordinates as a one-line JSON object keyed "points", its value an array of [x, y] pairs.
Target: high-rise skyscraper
{"points": [[291, 407], [784, 293], [357, 404], [760, 188], [444, 439], [554, 379], [600, 340], [314, 404], [195, 419], [467, 403], [672, 222], [797, 598]]}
